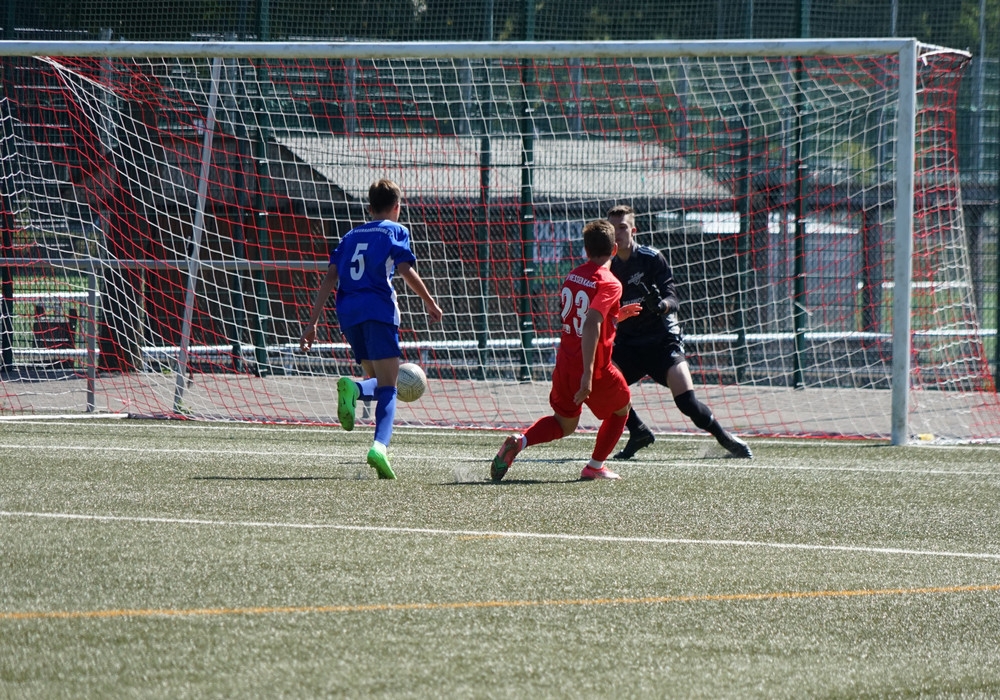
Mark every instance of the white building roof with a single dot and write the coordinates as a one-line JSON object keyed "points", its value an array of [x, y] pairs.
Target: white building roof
{"points": [[448, 167]]}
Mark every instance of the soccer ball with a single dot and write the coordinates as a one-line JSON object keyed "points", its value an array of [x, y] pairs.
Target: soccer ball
{"points": [[412, 382]]}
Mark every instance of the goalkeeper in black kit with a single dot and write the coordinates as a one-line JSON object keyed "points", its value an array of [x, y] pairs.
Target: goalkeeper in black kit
{"points": [[650, 344]]}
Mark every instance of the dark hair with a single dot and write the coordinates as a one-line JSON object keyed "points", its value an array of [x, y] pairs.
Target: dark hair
{"points": [[599, 238], [383, 195], [621, 210]]}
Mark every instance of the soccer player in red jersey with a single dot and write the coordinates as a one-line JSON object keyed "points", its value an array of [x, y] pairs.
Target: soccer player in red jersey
{"points": [[590, 308]]}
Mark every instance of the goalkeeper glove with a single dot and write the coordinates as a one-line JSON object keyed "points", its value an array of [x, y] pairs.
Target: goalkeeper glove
{"points": [[653, 303]]}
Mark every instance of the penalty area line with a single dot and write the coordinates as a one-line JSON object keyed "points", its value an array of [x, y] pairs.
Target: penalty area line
{"points": [[483, 604], [566, 537]]}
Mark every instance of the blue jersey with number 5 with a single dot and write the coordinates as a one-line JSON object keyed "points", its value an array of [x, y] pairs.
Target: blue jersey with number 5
{"points": [[366, 259]]}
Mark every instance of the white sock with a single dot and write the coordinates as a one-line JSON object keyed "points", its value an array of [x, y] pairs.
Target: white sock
{"points": [[380, 447], [594, 464]]}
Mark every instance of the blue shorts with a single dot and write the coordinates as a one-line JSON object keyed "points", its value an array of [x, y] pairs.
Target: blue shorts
{"points": [[373, 340]]}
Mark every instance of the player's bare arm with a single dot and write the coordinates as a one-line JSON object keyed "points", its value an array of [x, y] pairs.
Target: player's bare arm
{"points": [[325, 288], [591, 332], [414, 282]]}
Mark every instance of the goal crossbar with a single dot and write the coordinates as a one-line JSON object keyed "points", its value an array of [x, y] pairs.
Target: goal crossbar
{"points": [[459, 49], [905, 51]]}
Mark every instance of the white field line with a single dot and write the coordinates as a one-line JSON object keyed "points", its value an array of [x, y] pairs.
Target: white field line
{"points": [[722, 463], [61, 419], [513, 534], [277, 452], [990, 447], [189, 426], [727, 463]]}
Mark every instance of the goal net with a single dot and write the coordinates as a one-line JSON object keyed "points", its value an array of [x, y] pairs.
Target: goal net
{"points": [[168, 210]]}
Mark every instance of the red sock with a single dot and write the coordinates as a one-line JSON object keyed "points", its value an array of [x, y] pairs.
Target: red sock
{"points": [[608, 435], [545, 429]]}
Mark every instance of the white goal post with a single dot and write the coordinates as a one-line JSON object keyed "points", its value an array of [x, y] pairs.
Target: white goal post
{"points": [[192, 191]]}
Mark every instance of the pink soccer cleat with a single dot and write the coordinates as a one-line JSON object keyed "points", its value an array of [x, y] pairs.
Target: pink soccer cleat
{"points": [[591, 474]]}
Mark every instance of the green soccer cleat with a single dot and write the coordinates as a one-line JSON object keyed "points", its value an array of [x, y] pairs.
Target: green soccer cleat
{"points": [[505, 457], [347, 402], [379, 461]]}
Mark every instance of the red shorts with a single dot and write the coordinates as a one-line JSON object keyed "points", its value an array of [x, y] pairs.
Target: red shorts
{"points": [[608, 394]]}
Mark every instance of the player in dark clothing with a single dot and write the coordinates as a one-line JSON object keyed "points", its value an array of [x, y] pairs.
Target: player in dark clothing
{"points": [[651, 344]]}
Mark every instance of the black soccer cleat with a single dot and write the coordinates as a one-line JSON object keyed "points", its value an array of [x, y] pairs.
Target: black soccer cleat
{"points": [[736, 447], [636, 441]]}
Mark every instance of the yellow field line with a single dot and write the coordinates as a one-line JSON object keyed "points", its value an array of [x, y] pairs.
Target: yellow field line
{"points": [[393, 607]]}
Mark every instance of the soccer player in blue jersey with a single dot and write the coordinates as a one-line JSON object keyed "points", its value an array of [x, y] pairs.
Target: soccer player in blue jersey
{"points": [[650, 344], [361, 270]]}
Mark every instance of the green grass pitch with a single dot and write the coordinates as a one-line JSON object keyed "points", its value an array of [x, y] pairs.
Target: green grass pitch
{"points": [[175, 559]]}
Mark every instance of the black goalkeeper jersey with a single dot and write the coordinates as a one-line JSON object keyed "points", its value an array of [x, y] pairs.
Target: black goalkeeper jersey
{"points": [[645, 272]]}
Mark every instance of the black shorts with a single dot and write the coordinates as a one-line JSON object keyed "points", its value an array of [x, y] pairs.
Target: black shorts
{"points": [[649, 359]]}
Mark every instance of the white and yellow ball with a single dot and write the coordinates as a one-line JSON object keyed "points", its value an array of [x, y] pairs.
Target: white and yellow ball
{"points": [[412, 382]]}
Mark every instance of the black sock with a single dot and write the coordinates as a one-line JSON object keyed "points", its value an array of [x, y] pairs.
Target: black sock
{"points": [[634, 424], [699, 413]]}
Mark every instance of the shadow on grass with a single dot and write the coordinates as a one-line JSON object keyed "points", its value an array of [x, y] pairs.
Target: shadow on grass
{"points": [[475, 473], [510, 482], [270, 478]]}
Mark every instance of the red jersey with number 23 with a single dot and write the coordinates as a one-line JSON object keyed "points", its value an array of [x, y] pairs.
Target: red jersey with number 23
{"points": [[590, 286]]}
